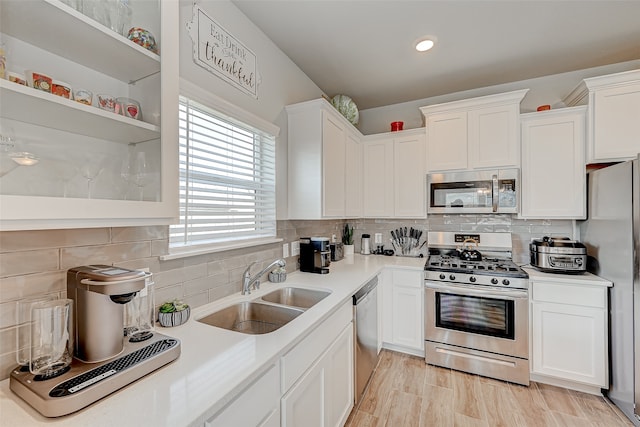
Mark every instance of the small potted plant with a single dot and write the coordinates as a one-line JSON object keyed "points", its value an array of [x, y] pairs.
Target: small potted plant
{"points": [[278, 275], [173, 313], [347, 239]]}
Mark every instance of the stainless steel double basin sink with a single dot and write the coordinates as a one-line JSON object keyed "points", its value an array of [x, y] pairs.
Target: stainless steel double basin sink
{"points": [[266, 314]]}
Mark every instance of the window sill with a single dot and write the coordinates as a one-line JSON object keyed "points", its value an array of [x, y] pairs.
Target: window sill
{"points": [[209, 249]]}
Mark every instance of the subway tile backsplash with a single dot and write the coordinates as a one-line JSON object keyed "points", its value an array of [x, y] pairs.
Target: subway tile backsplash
{"points": [[34, 263]]}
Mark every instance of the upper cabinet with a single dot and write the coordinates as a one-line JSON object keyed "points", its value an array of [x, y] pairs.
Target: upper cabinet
{"points": [[613, 123], [553, 164], [70, 164], [394, 175], [325, 163], [478, 133]]}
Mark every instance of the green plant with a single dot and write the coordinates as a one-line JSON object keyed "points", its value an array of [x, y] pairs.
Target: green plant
{"points": [[347, 235], [175, 305]]}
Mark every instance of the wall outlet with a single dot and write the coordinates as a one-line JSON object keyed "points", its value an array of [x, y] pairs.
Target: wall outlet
{"points": [[295, 248], [285, 250]]}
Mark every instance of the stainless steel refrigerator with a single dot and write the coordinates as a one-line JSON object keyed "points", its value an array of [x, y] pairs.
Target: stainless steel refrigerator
{"points": [[612, 236]]}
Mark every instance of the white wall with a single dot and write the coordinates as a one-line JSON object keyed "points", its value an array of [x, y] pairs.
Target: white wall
{"points": [[282, 82], [543, 90]]}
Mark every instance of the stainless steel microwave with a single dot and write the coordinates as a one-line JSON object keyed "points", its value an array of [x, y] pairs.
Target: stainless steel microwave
{"points": [[486, 191]]}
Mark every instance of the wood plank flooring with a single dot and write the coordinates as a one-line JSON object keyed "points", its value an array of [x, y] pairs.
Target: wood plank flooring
{"points": [[404, 391]]}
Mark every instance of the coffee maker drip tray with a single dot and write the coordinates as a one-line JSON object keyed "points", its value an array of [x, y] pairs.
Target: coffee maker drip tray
{"points": [[86, 383]]}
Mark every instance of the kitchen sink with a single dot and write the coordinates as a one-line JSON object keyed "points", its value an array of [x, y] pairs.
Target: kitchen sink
{"points": [[296, 297], [252, 317]]}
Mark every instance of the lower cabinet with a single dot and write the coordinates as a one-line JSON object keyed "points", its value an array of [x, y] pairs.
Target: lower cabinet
{"points": [[317, 375], [263, 398], [402, 310], [324, 394], [569, 345], [310, 385]]}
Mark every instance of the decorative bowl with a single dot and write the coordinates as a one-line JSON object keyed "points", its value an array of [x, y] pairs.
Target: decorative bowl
{"points": [[144, 38]]}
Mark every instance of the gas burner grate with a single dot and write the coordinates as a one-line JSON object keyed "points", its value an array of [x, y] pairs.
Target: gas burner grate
{"points": [[109, 369]]}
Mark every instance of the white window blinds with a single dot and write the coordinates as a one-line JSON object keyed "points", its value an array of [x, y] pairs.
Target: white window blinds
{"points": [[227, 179]]}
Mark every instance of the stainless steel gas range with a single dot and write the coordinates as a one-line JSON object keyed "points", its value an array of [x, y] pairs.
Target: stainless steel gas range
{"points": [[476, 306]]}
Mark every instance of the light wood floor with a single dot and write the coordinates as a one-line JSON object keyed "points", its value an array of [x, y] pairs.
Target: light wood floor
{"points": [[404, 391]]}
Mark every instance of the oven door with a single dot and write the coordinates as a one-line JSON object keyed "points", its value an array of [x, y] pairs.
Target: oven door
{"points": [[483, 318]]}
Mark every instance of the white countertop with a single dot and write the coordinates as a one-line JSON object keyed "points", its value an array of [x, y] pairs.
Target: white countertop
{"points": [[215, 364], [576, 279]]}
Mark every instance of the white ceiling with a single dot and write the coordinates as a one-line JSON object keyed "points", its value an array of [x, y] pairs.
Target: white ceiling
{"points": [[364, 48]]}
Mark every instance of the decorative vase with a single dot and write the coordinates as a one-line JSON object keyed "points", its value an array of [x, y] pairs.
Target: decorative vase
{"points": [[348, 250]]}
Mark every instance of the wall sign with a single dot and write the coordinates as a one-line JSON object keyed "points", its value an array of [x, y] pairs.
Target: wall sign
{"points": [[220, 53]]}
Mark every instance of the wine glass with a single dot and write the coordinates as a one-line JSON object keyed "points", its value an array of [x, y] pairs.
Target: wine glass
{"points": [[125, 174], [140, 173], [90, 169]]}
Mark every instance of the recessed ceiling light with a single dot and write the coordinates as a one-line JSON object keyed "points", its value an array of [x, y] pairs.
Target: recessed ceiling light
{"points": [[424, 45]]}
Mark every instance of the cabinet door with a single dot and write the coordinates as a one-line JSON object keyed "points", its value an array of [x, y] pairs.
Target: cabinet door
{"points": [[339, 387], [353, 177], [616, 123], [407, 317], [378, 179], [304, 404], [494, 137], [333, 167], [568, 342], [447, 141], [553, 145], [263, 396], [409, 177], [385, 304]]}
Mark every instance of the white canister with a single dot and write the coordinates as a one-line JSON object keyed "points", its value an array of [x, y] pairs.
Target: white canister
{"points": [[365, 248]]}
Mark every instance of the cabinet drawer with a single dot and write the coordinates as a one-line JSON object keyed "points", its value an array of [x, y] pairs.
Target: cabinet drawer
{"points": [[301, 357], [561, 293], [410, 278]]}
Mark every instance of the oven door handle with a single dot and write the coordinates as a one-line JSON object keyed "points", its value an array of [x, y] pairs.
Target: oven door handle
{"points": [[488, 291]]}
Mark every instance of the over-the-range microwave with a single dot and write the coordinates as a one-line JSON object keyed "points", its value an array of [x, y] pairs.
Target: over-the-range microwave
{"points": [[483, 191]]}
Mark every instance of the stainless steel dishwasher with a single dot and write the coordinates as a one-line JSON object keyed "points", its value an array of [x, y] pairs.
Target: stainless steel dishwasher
{"points": [[365, 315]]}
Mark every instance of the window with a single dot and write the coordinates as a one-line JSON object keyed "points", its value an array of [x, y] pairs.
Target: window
{"points": [[227, 180]]}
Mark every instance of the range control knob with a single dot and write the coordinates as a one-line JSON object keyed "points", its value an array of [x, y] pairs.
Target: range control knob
{"points": [[452, 277], [442, 276], [472, 279], [506, 282], [494, 281]]}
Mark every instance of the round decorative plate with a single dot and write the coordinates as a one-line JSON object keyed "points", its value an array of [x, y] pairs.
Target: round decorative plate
{"points": [[347, 108]]}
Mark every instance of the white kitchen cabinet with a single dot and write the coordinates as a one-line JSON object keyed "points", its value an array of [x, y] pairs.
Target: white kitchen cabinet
{"points": [[394, 175], [317, 374], [324, 395], [478, 133], [378, 179], [78, 179], [320, 140], [613, 117], [353, 177], [569, 330], [553, 164], [403, 311], [263, 398], [409, 176]]}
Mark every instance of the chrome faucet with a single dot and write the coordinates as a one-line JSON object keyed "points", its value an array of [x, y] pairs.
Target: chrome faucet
{"points": [[248, 281]]}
